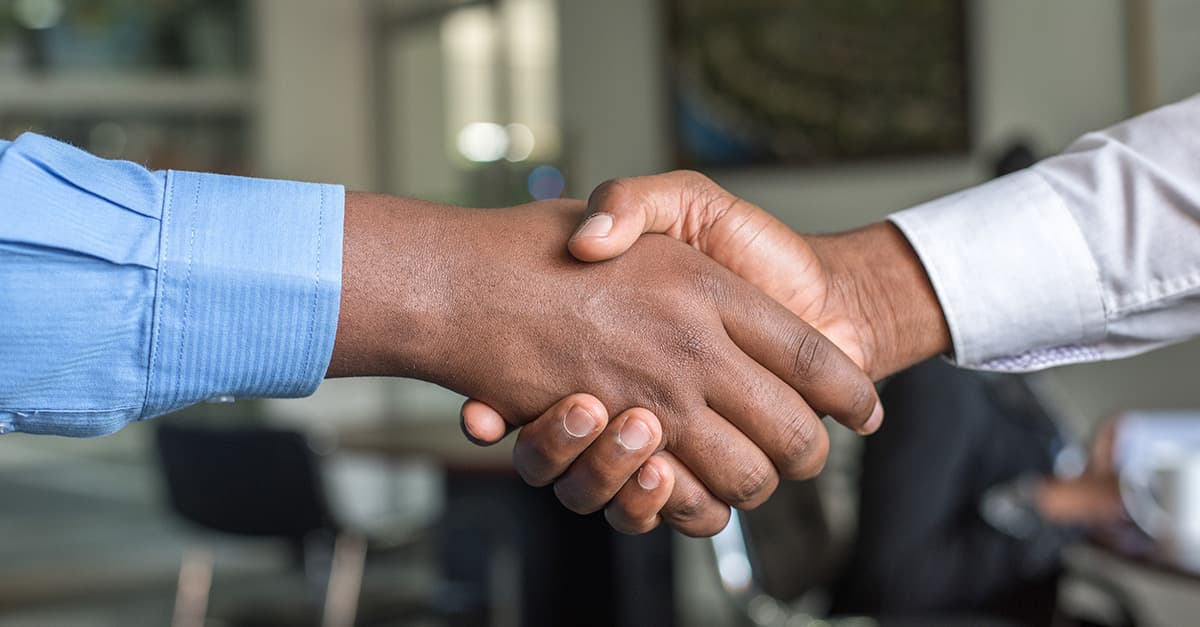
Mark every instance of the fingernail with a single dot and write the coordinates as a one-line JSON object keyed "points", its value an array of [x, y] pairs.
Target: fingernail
{"points": [[876, 419], [648, 478], [634, 434], [598, 225], [578, 422], [462, 424]]}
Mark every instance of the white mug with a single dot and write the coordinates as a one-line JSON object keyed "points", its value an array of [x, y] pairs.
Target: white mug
{"points": [[1161, 492]]}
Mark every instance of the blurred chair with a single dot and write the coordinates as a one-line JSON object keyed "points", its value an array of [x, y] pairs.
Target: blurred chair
{"points": [[263, 482]]}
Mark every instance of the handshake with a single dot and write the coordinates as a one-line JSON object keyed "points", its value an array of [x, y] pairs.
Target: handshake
{"points": [[662, 377]]}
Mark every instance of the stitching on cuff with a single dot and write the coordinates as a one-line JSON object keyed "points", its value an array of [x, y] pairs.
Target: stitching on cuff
{"points": [[187, 283], [160, 278], [312, 314], [26, 413]]}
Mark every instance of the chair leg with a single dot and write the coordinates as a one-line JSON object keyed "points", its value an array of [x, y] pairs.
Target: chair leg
{"points": [[345, 581], [191, 593]]}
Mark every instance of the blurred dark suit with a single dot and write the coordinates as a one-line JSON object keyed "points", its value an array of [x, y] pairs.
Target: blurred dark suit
{"points": [[921, 546]]}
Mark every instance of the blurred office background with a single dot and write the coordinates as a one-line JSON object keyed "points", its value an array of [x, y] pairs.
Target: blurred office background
{"points": [[499, 102]]}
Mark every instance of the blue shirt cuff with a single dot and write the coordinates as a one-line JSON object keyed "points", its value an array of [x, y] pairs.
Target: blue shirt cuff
{"points": [[248, 289]]}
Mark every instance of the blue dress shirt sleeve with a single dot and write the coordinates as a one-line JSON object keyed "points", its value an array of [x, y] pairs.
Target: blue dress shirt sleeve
{"points": [[126, 294]]}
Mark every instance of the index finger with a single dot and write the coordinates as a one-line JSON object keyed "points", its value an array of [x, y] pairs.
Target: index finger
{"points": [[828, 380]]}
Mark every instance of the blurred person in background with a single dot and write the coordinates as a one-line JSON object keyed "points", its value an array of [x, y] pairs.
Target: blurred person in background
{"points": [[953, 517]]}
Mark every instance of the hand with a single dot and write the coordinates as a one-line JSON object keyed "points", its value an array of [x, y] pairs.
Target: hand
{"points": [[486, 302], [865, 290], [589, 459], [1094, 497], [1086, 501]]}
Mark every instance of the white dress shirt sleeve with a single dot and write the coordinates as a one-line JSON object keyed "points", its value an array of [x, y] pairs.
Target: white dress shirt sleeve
{"points": [[1090, 255]]}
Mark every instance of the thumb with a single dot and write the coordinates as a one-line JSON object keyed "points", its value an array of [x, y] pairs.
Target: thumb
{"points": [[621, 210], [483, 425]]}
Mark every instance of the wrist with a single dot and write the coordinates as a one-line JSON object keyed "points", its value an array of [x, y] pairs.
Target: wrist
{"points": [[394, 286], [881, 286]]}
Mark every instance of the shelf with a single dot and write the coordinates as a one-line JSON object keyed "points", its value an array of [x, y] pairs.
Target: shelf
{"points": [[83, 94]]}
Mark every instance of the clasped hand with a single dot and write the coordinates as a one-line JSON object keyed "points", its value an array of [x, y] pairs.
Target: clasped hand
{"points": [[733, 403]]}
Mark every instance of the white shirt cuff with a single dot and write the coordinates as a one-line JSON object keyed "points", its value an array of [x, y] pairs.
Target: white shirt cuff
{"points": [[1013, 272]]}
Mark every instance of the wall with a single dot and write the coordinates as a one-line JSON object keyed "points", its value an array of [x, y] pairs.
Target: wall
{"points": [[1026, 82], [1176, 25], [313, 77]]}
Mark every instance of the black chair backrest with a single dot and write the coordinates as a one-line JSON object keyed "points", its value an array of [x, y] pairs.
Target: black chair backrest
{"points": [[248, 481]]}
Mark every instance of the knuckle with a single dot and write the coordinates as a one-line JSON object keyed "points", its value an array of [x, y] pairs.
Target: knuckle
{"points": [[610, 194], [697, 180], [663, 394], [617, 519], [795, 446], [694, 343], [711, 201], [623, 522], [809, 353], [689, 508], [714, 527], [754, 486], [708, 527], [532, 476], [573, 499], [805, 449], [713, 285], [862, 402], [534, 462], [641, 528]]}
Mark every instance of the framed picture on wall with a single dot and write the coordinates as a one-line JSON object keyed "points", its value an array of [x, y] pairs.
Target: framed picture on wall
{"points": [[757, 82]]}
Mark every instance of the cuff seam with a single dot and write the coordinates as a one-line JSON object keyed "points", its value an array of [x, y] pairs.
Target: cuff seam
{"points": [[187, 282], [316, 299], [159, 281]]}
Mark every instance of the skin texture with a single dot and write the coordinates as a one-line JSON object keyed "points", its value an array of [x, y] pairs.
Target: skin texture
{"points": [[489, 304], [865, 290]]}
